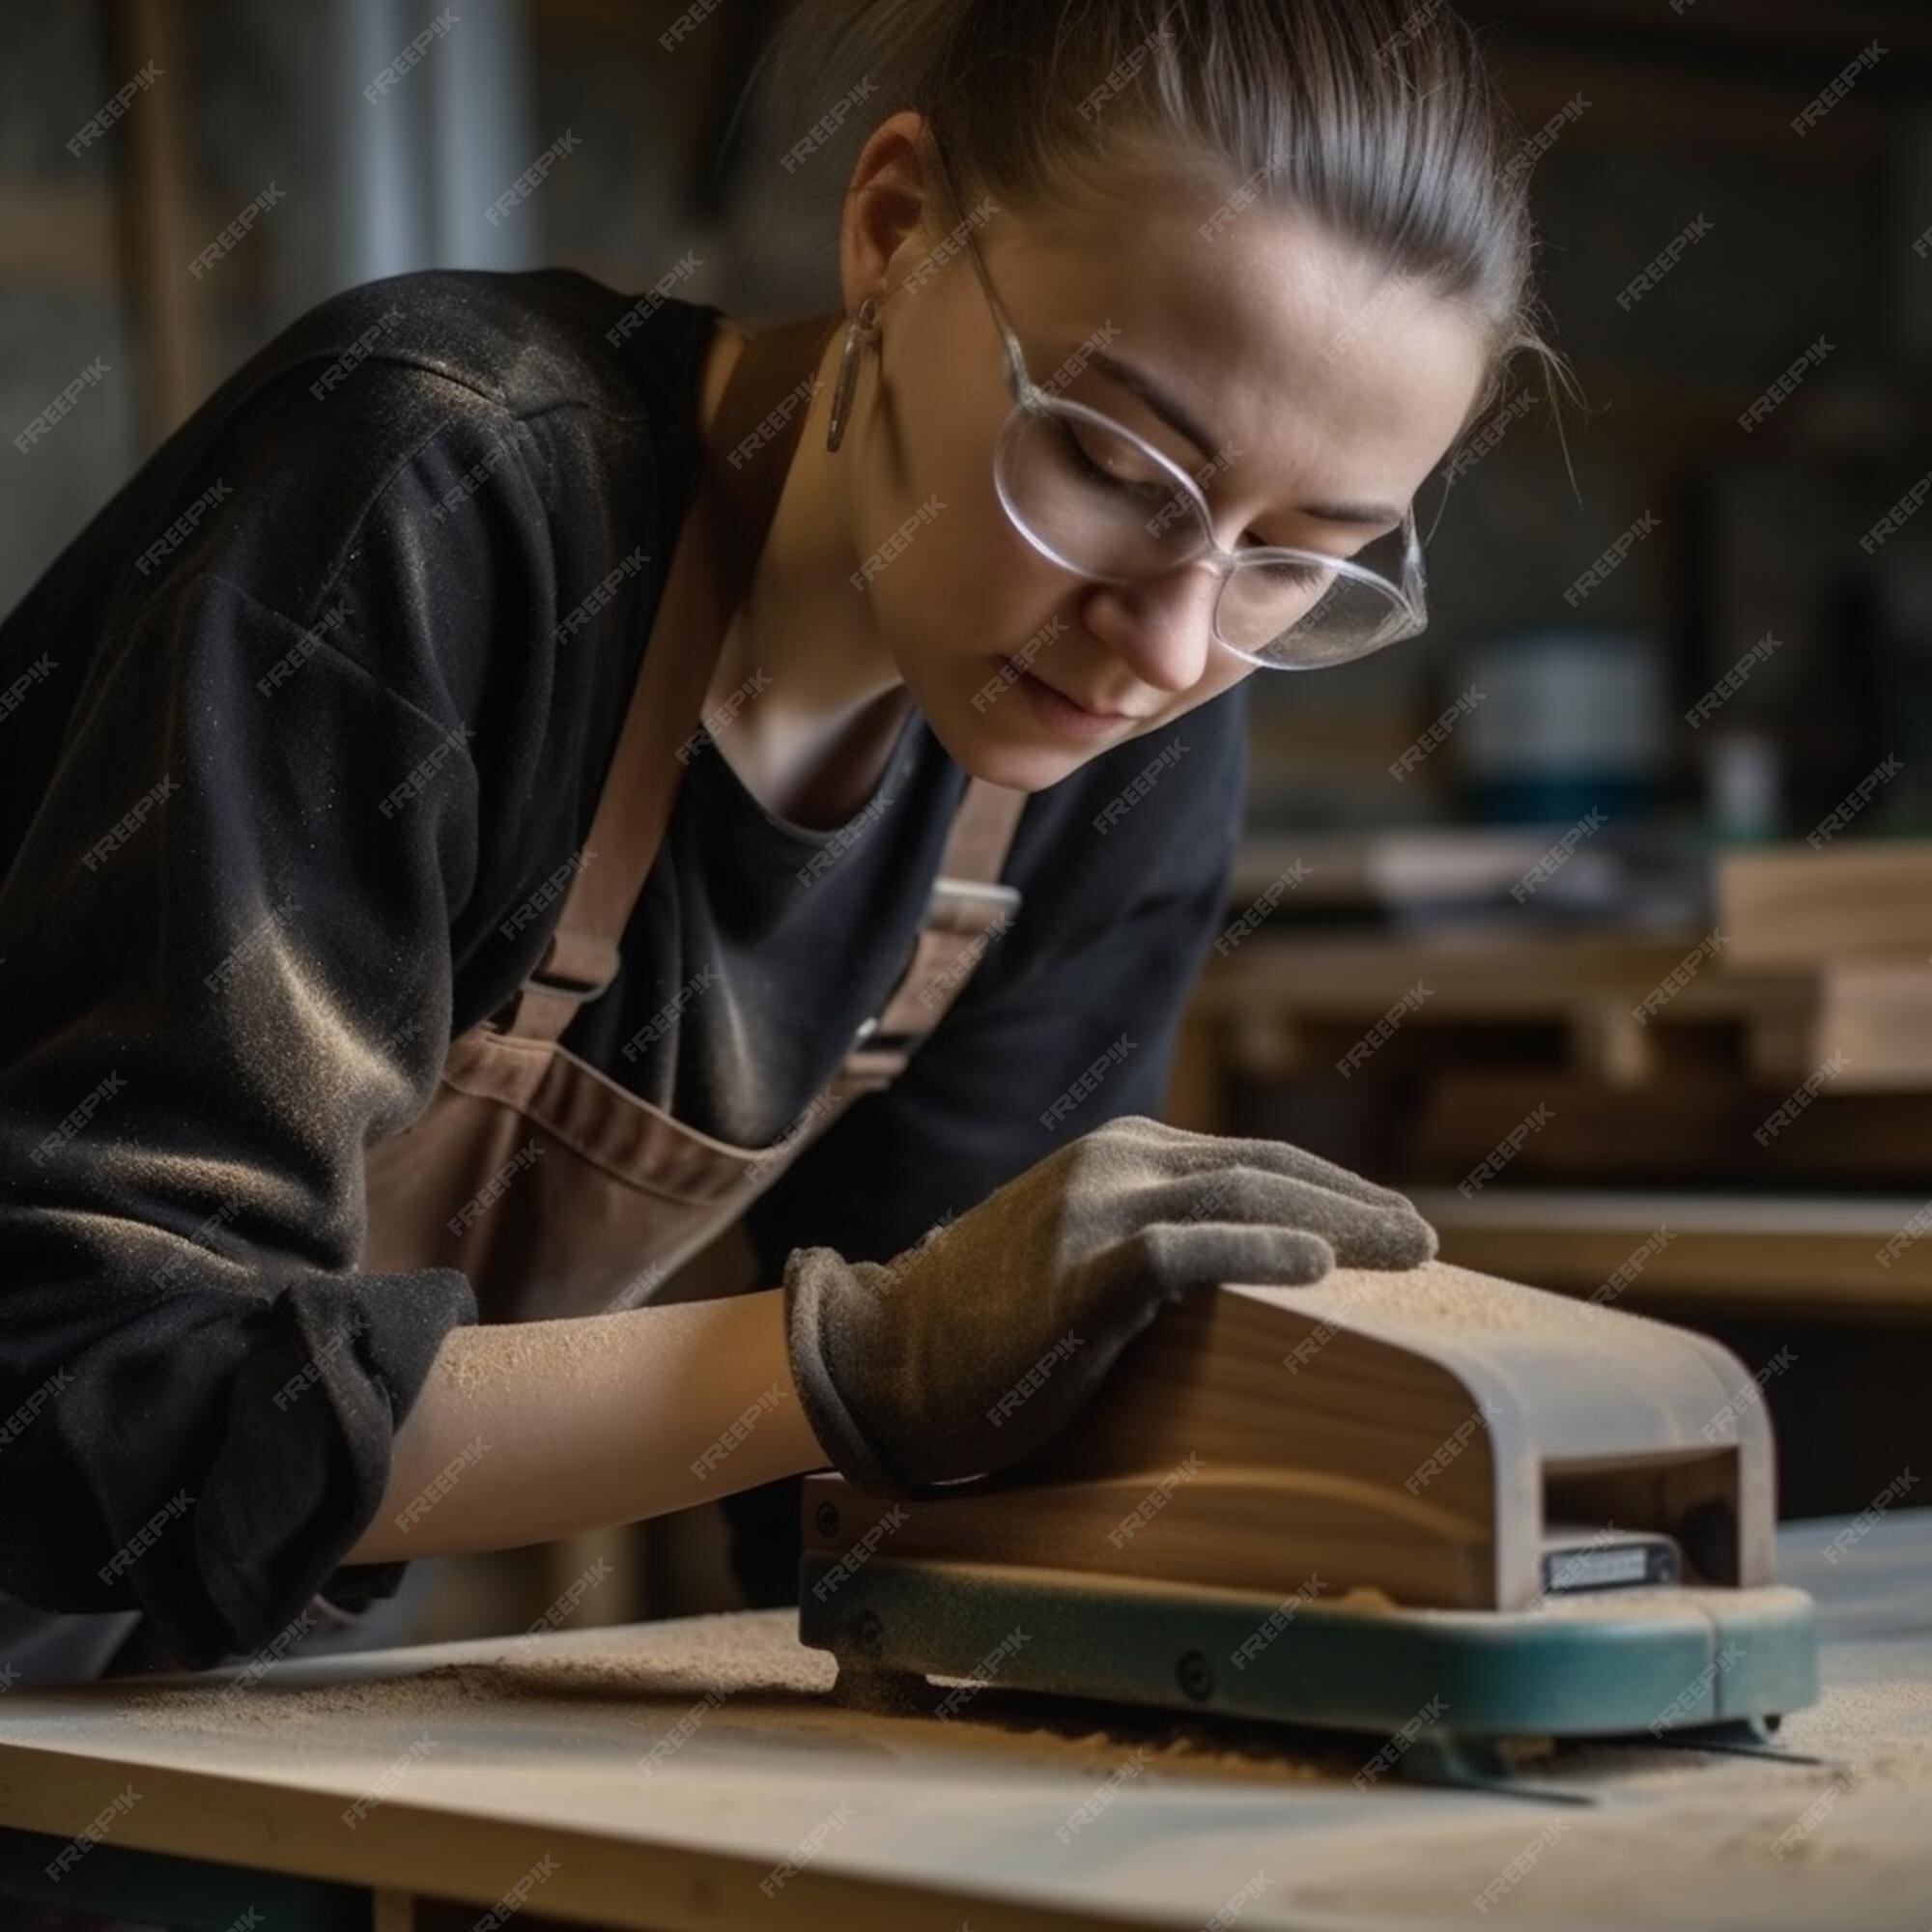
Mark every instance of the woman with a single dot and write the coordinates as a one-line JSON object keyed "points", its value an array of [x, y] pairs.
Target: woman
{"points": [[525, 777]]}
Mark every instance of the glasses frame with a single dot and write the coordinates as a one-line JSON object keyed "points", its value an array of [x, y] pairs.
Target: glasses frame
{"points": [[1408, 600]]}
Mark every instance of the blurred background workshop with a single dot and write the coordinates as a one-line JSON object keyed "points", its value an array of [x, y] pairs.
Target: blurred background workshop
{"points": [[1600, 918]]}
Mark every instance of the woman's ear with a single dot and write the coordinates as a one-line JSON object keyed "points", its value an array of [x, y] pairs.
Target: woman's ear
{"points": [[891, 205]]}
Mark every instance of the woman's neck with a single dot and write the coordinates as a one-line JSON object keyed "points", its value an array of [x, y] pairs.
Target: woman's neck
{"points": [[819, 700]]}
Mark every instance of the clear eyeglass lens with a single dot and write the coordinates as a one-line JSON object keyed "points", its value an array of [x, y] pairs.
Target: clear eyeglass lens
{"points": [[1306, 615], [1094, 499], [1101, 503]]}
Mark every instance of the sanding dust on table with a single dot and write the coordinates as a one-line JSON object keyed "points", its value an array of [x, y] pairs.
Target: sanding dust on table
{"points": [[772, 1692]]}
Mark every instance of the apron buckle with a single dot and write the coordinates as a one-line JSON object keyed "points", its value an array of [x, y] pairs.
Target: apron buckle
{"points": [[971, 905], [876, 1058], [579, 965], [873, 1041], [573, 966]]}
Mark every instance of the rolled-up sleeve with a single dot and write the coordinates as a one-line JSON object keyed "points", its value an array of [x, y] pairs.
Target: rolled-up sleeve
{"points": [[226, 971]]}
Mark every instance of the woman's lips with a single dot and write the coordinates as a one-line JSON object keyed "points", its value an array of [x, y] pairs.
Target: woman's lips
{"points": [[1059, 713]]}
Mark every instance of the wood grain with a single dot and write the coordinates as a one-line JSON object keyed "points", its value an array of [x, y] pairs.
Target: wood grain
{"points": [[1403, 1433]]}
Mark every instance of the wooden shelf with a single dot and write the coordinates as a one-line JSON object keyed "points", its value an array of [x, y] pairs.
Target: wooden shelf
{"points": [[1697, 1126], [1871, 1019], [1746, 1253]]}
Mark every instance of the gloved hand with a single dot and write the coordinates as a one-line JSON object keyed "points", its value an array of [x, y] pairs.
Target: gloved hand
{"points": [[909, 1371]]}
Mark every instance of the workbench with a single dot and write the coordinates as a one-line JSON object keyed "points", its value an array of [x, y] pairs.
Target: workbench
{"points": [[694, 1773]]}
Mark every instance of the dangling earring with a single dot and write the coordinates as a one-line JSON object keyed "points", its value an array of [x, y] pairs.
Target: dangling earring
{"points": [[863, 331]]}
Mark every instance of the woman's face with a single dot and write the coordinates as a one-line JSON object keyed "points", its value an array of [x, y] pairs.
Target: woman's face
{"points": [[1315, 387]]}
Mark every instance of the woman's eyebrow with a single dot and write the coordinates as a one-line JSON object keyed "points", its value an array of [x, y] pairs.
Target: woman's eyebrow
{"points": [[1179, 417], [1169, 408]]}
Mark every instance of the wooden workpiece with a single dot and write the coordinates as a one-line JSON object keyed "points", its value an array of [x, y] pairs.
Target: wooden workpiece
{"points": [[1404, 1433]]}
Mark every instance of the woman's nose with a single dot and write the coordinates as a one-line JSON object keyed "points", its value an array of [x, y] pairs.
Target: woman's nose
{"points": [[1162, 628]]}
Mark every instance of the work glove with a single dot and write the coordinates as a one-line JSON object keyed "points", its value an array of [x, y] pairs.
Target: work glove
{"points": [[964, 1353]]}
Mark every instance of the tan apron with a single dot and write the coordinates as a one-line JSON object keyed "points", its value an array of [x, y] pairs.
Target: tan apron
{"points": [[555, 1189]]}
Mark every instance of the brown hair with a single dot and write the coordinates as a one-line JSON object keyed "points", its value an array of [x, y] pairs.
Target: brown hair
{"points": [[1378, 117]]}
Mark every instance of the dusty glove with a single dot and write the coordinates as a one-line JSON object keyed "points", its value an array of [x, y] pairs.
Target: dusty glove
{"points": [[964, 1353]]}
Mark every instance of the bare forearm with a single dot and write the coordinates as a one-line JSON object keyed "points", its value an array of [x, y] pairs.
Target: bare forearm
{"points": [[528, 1431]]}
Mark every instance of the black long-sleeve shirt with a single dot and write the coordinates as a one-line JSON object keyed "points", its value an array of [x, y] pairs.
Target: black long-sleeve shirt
{"points": [[288, 734]]}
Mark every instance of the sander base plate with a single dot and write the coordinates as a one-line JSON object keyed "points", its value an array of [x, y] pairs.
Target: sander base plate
{"points": [[1663, 1663]]}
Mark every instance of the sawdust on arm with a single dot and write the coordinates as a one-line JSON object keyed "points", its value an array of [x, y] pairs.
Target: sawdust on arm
{"points": [[529, 1430]]}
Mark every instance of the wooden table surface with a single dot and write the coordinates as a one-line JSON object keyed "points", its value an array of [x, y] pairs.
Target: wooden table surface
{"points": [[694, 1774]]}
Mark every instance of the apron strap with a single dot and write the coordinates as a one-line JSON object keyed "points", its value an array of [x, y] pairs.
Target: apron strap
{"points": [[724, 533], [966, 913], [759, 420]]}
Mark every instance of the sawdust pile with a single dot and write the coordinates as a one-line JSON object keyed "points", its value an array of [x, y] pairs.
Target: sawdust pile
{"points": [[653, 1673], [1459, 1297]]}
